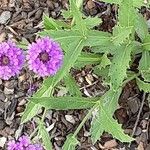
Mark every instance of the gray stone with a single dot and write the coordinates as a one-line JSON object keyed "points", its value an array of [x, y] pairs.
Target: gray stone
{"points": [[4, 17], [2, 96], [8, 91]]}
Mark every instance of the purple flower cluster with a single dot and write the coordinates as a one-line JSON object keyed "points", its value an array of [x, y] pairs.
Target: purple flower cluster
{"points": [[44, 58], [11, 60], [23, 143]]}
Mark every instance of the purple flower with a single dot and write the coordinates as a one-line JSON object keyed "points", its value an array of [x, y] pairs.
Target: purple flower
{"points": [[11, 60], [31, 147], [38, 147], [19, 146], [45, 57], [24, 140], [23, 143], [11, 145]]}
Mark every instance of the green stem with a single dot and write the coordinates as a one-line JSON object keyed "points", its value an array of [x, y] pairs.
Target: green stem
{"points": [[130, 78], [85, 119]]}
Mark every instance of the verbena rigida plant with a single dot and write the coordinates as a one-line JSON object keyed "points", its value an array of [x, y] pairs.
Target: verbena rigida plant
{"points": [[60, 49]]}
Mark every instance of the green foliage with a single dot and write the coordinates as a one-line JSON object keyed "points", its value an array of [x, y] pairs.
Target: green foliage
{"points": [[146, 42], [87, 59], [70, 143], [64, 103], [141, 26], [143, 86], [105, 122], [144, 66], [71, 85], [45, 137], [119, 65], [109, 54], [121, 34]]}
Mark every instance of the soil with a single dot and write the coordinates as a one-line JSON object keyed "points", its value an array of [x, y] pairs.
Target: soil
{"points": [[21, 20]]}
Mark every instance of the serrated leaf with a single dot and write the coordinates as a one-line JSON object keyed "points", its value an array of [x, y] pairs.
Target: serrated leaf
{"points": [[30, 111], [45, 137], [139, 3], [110, 48], [97, 38], [105, 61], [77, 16], [146, 42], [141, 26], [105, 122], [143, 85], [72, 86], [91, 22], [64, 103], [33, 108], [119, 65], [52, 24], [62, 36], [112, 1], [144, 66], [103, 72], [120, 34], [136, 3], [70, 143], [126, 14], [86, 59], [110, 100], [49, 23]]}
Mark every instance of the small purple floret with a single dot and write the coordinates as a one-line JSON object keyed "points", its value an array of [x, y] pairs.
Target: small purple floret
{"points": [[45, 57], [24, 140], [23, 143], [11, 145], [11, 60]]}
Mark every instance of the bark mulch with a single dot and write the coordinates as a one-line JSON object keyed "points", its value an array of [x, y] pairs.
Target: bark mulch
{"points": [[20, 20]]}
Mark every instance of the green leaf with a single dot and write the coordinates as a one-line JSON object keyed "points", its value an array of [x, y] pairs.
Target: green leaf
{"points": [[138, 3], [112, 1], [143, 85], [91, 22], [45, 137], [146, 43], [110, 100], [30, 111], [77, 15], [119, 65], [141, 26], [105, 122], [98, 38], [72, 86], [110, 48], [49, 23], [126, 14], [64, 103], [62, 36], [120, 34], [86, 59], [70, 143], [105, 61], [52, 24], [144, 66]]}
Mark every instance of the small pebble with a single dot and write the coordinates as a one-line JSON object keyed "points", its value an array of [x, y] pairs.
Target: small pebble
{"points": [[2, 96], [2, 141], [2, 124], [8, 91], [4, 17], [70, 119]]}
